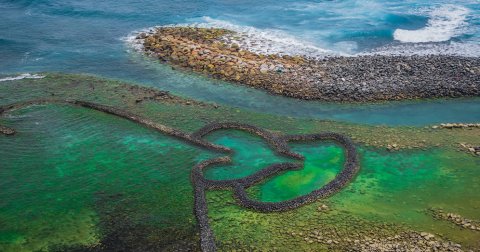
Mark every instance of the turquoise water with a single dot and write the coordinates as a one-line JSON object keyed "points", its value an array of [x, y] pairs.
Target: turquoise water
{"points": [[73, 177], [90, 37], [69, 168]]}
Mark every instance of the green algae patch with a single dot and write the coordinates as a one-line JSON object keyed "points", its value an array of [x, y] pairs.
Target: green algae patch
{"points": [[245, 161], [73, 178], [11, 237], [389, 197], [322, 163], [66, 159]]}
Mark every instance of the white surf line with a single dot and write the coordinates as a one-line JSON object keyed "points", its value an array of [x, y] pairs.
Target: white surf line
{"points": [[265, 41], [23, 76], [261, 41], [444, 23]]}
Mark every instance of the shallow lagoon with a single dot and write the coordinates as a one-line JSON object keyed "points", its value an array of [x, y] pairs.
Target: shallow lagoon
{"points": [[63, 186]]}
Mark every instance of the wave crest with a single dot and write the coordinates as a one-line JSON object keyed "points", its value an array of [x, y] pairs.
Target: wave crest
{"points": [[444, 23], [23, 76], [265, 41]]}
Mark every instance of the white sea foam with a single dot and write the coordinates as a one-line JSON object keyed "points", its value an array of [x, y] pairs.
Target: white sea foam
{"points": [[132, 41], [447, 21], [265, 41], [262, 41], [23, 76], [444, 23]]}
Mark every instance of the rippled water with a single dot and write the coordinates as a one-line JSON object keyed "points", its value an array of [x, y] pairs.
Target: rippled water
{"points": [[88, 37], [67, 166]]}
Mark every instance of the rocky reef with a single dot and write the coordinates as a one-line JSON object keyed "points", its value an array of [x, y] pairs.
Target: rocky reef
{"points": [[6, 131], [469, 148], [405, 241], [472, 149], [456, 219], [456, 126], [348, 79]]}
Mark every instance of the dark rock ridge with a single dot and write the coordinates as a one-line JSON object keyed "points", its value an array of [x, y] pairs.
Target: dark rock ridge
{"points": [[200, 184], [6, 130], [349, 79], [456, 219], [456, 126]]}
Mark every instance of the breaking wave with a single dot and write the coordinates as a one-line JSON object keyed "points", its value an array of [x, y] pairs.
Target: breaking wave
{"points": [[444, 23], [22, 76]]}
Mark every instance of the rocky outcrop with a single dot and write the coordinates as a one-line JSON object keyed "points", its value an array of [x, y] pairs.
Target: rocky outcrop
{"points": [[6, 131], [472, 149], [455, 219], [365, 78], [456, 126]]}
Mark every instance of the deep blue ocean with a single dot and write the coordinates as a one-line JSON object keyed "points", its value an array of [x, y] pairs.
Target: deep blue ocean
{"points": [[92, 37]]}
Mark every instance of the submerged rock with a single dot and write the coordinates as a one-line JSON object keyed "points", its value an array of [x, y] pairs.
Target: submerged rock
{"points": [[455, 219], [472, 149], [6, 131]]}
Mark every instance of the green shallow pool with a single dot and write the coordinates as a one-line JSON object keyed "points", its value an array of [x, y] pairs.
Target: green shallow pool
{"points": [[70, 169], [392, 187], [75, 178]]}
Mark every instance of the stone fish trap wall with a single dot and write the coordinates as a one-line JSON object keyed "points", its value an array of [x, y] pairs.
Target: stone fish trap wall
{"points": [[200, 184]]}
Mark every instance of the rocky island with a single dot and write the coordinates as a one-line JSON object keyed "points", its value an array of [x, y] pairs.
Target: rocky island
{"points": [[212, 51]]}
